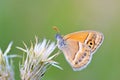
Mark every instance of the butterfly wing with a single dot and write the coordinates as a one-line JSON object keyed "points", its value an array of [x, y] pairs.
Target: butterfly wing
{"points": [[91, 38], [78, 47], [77, 54]]}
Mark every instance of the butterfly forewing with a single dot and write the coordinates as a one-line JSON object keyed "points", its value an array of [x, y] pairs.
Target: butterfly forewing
{"points": [[91, 38]]}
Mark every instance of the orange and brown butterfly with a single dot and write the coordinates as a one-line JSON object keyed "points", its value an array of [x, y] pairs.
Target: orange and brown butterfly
{"points": [[78, 47]]}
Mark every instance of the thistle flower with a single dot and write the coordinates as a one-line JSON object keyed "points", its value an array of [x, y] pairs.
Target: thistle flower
{"points": [[37, 60], [6, 71]]}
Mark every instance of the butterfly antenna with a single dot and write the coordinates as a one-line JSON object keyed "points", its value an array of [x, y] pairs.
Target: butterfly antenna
{"points": [[56, 29], [58, 36]]}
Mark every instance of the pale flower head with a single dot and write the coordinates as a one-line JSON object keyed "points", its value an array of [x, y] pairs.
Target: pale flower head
{"points": [[38, 59], [6, 71]]}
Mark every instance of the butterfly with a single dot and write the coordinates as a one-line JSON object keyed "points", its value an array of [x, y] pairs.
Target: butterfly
{"points": [[79, 47]]}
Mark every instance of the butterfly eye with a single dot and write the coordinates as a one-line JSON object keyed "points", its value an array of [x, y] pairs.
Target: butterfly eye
{"points": [[91, 43]]}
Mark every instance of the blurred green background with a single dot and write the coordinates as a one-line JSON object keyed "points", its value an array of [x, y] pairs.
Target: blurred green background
{"points": [[21, 20]]}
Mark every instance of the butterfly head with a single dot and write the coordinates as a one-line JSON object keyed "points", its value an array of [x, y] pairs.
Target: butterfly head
{"points": [[60, 41]]}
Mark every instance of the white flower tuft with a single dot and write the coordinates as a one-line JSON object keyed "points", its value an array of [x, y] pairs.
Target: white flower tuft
{"points": [[37, 60], [6, 71]]}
